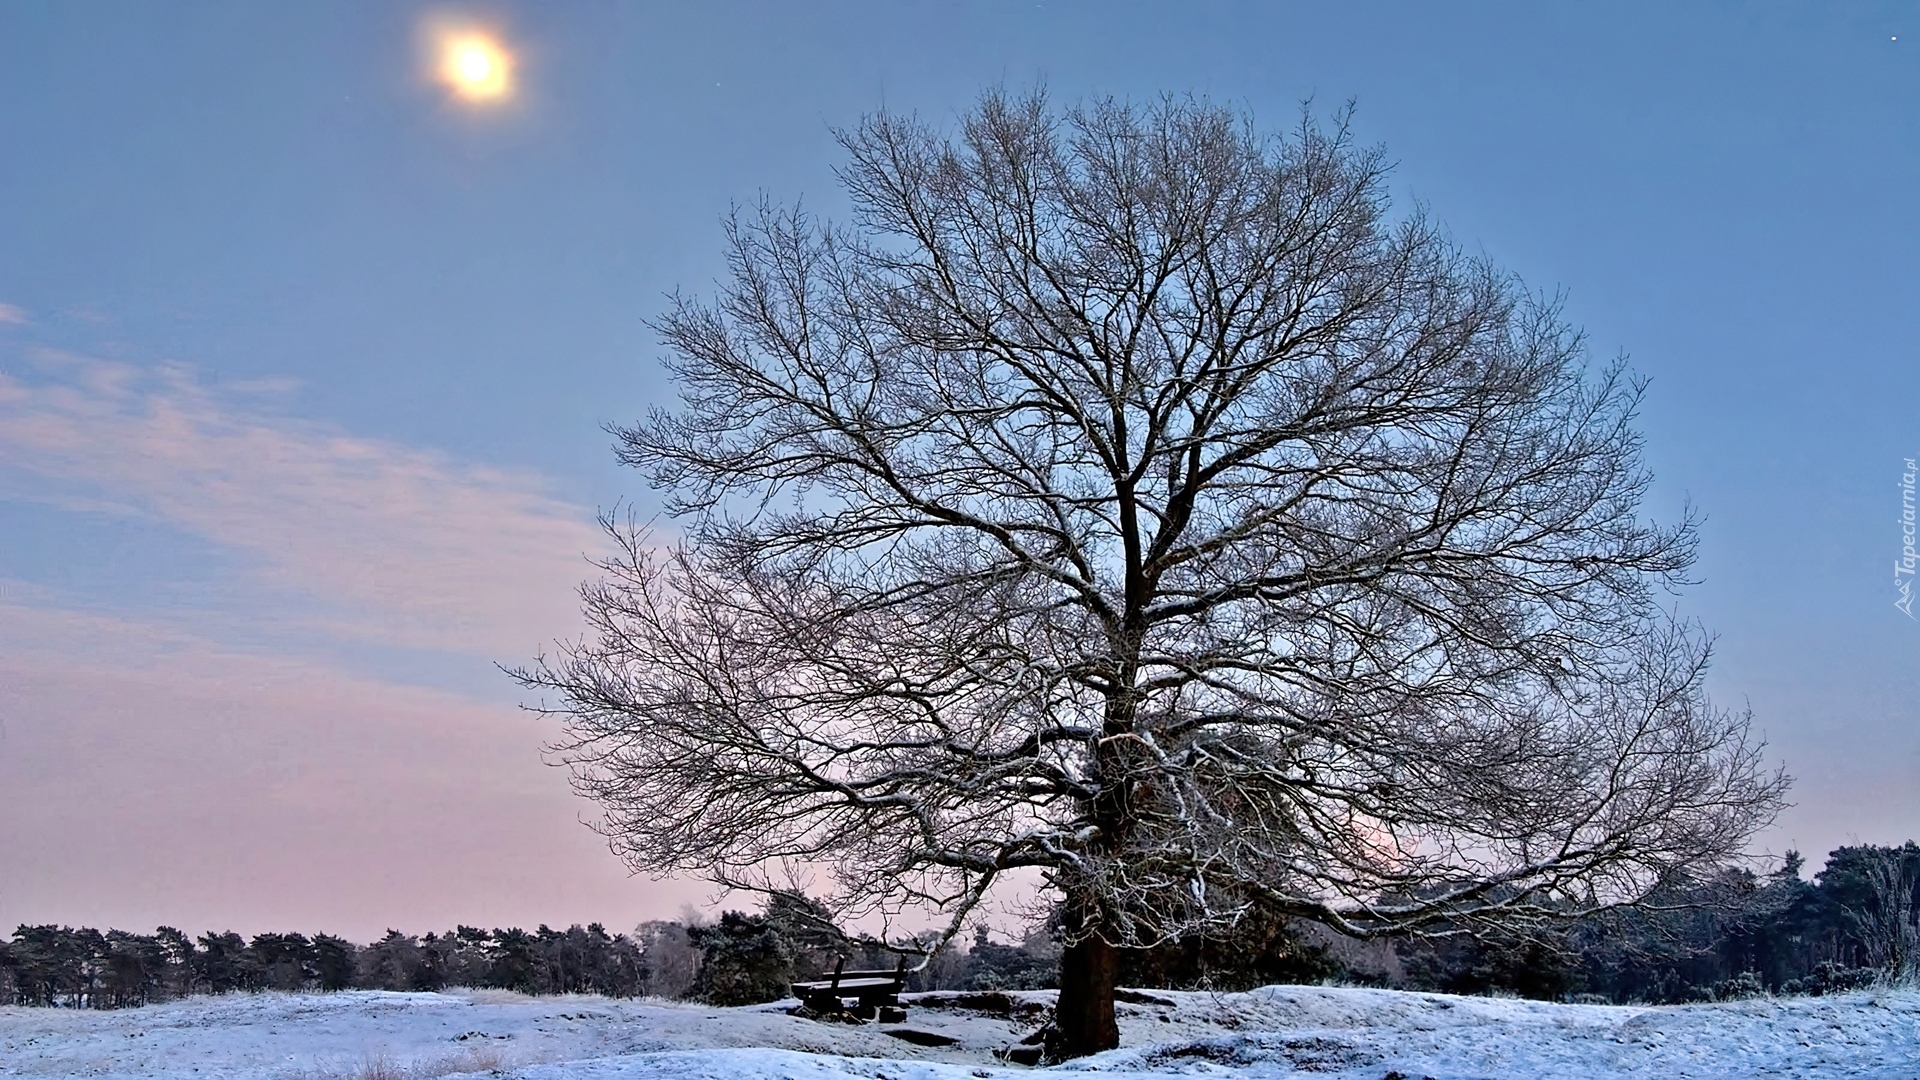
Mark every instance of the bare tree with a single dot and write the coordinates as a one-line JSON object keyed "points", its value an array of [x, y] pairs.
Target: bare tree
{"points": [[1126, 495], [1885, 914]]}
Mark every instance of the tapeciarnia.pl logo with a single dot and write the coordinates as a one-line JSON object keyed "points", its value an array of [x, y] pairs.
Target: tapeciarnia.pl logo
{"points": [[1903, 566]]}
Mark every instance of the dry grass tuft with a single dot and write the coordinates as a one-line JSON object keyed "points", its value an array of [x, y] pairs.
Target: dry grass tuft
{"points": [[473, 1059], [491, 996]]}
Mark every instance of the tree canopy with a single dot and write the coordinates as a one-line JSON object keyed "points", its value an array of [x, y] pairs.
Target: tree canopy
{"points": [[1130, 495]]}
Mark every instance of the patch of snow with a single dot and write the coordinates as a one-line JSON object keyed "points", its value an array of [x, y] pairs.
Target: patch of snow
{"points": [[1327, 1033]]}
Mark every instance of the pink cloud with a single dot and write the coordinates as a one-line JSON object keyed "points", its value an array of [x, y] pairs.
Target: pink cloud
{"points": [[153, 777], [156, 775], [14, 315], [415, 547]]}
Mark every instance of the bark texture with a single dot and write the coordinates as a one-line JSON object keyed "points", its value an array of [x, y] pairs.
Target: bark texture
{"points": [[1084, 1021]]}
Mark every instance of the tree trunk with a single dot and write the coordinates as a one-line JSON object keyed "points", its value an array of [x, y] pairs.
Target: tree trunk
{"points": [[1084, 1016], [1084, 1021]]}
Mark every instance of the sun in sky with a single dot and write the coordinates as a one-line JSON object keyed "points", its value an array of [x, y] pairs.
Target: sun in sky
{"points": [[475, 66]]}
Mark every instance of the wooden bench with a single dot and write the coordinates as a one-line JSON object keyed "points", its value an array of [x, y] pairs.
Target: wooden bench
{"points": [[871, 991]]}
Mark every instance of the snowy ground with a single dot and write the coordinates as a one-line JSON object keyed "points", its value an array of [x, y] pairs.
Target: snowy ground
{"points": [[1288, 1031]]}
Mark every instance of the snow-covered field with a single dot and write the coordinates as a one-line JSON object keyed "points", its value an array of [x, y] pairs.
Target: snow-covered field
{"points": [[1286, 1031]]}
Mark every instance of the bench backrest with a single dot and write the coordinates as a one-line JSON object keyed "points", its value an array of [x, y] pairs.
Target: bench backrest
{"points": [[898, 974]]}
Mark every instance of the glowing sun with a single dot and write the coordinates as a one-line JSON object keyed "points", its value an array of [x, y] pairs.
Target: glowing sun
{"points": [[476, 67]]}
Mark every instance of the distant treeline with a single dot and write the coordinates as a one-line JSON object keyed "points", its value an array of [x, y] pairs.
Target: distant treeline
{"points": [[1723, 935], [57, 965], [1731, 933], [742, 958]]}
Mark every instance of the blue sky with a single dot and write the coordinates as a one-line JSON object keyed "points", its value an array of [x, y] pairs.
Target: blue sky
{"points": [[303, 367]]}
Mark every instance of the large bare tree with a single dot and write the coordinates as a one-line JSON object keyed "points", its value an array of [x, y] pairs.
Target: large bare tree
{"points": [[1126, 495]]}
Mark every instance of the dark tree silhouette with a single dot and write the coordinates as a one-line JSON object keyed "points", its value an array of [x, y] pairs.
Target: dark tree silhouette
{"points": [[743, 961], [333, 962]]}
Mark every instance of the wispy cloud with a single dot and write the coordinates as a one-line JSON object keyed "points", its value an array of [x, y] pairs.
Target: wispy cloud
{"points": [[243, 766], [240, 788], [405, 545], [14, 315]]}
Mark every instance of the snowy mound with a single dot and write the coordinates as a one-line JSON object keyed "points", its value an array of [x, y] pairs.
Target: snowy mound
{"points": [[1287, 1031]]}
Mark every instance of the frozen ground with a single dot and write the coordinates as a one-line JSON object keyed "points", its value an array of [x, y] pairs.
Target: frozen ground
{"points": [[1289, 1031]]}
